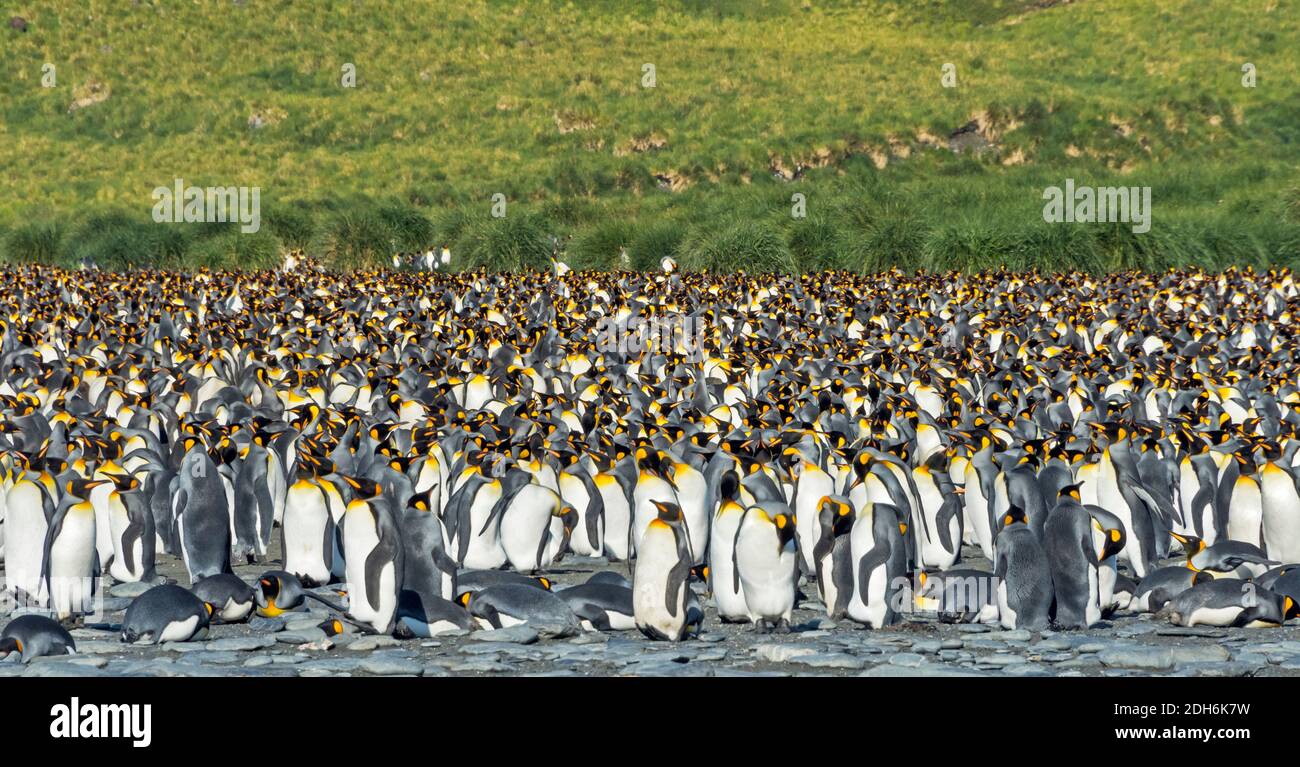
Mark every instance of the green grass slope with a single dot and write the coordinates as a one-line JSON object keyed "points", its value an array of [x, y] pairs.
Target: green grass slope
{"points": [[754, 101]]}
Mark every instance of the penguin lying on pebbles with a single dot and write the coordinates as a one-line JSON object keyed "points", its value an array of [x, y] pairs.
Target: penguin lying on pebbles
{"points": [[1229, 602], [601, 605], [277, 592], [507, 605], [227, 592], [166, 613], [34, 636]]}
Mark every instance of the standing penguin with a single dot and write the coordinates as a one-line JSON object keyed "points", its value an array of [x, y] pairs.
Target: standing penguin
{"points": [[1108, 540], [833, 555], [1068, 542], [659, 581], [579, 490], [430, 570], [939, 520], [1025, 587], [29, 505], [1280, 488], [766, 562], [202, 521], [728, 592], [879, 562], [307, 535], [615, 486], [71, 561], [254, 509], [811, 487], [374, 556], [132, 527], [535, 528]]}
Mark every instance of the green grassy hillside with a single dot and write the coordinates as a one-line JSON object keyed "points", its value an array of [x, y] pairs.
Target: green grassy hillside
{"points": [[754, 101]]}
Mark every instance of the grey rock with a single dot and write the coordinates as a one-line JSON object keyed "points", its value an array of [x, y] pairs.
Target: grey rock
{"points": [[241, 644], [1156, 658], [831, 660], [521, 634], [130, 590], [371, 642], [391, 666]]}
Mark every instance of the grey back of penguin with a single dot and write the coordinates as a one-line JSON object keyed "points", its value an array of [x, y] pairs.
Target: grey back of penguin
{"points": [[1067, 539], [201, 519], [1022, 566]]}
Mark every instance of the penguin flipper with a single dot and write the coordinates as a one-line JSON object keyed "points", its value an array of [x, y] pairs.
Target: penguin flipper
{"points": [[873, 559], [951, 508], [382, 554], [676, 581]]}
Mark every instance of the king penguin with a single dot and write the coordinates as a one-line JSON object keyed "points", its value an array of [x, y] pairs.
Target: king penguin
{"points": [[659, 580], [374, 556], [1025, 588], [765, 559]]}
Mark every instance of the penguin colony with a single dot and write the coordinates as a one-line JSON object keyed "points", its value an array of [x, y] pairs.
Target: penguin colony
{"points": [[427, 445]]}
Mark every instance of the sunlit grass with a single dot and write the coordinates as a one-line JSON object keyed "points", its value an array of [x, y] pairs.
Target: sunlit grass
{"points": [[543, 102]]}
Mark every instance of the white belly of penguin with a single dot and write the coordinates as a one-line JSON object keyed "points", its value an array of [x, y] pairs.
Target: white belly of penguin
{"points": [[233, 611], [359, 539], [25, 528], [574, 492], [484, 551], [813, 485], [656, 558], [305, 519], [1213, 616], [1006, 615], [1246, 513], [99, 496], [72, 563], [1092, 614], [933, 554], [767, 574], [868, 608], [1110, 499], [427, 630], [729, 598], [1281, 516], [179, 631], [118, 521], [1188, 486], [522, 527], [830, 593], [644, 512], [618, 519], [976, 509]]}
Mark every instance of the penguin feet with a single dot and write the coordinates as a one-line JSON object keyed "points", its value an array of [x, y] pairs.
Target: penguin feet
{"points": [[782, 627]]}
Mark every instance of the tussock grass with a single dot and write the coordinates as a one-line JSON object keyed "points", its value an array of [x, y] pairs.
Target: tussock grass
{"points": [[839, 100]]}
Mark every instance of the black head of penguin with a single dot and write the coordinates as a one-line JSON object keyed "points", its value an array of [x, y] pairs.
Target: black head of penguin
{"points": [[363, 487], [1069, 491], [1014, 515], [785, 524], [223, 589], [1192, 545], [332, 627], [276, 592], [837, 514]]}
